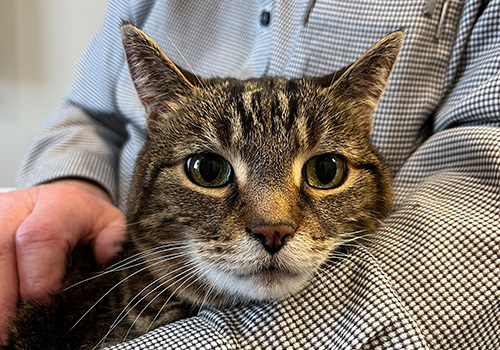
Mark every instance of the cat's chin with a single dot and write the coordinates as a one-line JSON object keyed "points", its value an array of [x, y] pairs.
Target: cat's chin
{"points": [[260, 285]]}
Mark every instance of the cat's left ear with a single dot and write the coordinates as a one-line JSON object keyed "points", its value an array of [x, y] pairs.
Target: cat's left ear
{"points": [[156, 78], [363, 82]]}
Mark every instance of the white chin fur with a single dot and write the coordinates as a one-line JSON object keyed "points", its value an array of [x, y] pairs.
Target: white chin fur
{"points": [[261, 286]]}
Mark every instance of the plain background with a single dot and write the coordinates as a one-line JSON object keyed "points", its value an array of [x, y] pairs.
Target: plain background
{"points": [[40, 44]]}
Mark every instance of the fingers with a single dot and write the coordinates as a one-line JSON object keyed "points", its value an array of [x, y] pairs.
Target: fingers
{"points": [[110, 238], [108, 231], [42, 249], [61, 219], [43, 241], [10, 218]]}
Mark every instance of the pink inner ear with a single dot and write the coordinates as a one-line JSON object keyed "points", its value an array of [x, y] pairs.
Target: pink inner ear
{"points": [[152, 115], [148, 103]]}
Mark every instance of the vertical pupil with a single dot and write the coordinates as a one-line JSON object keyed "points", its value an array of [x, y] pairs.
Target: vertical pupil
{"points": [[209, 168], [325, 169]]}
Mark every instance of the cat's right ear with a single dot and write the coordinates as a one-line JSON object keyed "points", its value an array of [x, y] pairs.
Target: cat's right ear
{"points": [[157, 80], [362, 83]]}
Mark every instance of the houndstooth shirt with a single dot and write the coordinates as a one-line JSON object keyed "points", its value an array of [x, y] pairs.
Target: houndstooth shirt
{"points": [[430, 277]]}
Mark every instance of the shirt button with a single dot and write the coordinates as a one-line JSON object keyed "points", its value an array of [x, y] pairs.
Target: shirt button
{"points": [[265, 18]]}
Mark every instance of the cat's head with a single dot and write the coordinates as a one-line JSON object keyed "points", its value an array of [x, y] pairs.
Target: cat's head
{"points": [[244, 188]]}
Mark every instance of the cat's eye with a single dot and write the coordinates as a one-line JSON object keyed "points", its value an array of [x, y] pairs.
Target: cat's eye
{"points": [[209, 170], [325, 171]]}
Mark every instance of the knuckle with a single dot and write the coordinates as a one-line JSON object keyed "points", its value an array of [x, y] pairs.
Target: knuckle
{"points": [[38, 233], [35, 236]]}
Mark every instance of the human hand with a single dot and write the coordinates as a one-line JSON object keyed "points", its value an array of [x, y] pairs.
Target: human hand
{"points": [[39, 227]]}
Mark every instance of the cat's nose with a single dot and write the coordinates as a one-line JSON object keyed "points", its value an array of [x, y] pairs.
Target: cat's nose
{"points": [[273, 237]]}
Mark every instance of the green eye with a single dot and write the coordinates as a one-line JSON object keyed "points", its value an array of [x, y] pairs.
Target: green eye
{"points": [[209, 170], [325, 171]]}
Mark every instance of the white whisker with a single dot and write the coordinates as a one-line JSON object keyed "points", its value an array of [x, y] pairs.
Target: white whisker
{"points": [[111, 289], [123, 314], [200, 274], [121, 268], [209, 291], [150, 250]]}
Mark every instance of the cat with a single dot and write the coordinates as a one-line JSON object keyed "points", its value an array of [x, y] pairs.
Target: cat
{"points": [[241, 192]]}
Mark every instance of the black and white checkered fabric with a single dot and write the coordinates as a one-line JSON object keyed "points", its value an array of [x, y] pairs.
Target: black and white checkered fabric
{"points": [[430, 277]]}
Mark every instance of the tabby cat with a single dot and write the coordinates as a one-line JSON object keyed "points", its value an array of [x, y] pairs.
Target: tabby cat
{"points": [[242, 191]]}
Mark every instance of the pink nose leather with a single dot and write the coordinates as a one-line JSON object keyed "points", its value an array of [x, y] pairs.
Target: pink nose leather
{"points": [[273, 237]]}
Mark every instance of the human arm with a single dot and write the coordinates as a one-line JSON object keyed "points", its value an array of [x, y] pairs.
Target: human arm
{"points": [[81, 140]]}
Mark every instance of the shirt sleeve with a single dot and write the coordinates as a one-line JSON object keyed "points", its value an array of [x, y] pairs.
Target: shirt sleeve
{"points": [[83, 137]]}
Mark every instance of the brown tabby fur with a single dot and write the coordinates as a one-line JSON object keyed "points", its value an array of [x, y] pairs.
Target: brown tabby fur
{"points": [[194, 244]]}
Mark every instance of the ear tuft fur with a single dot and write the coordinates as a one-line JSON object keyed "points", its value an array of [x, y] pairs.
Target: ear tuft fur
{"points": [[368, 76], [362, 83]]}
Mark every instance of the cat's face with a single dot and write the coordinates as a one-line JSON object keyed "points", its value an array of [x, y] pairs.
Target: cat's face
{"points": [[249, 185]]}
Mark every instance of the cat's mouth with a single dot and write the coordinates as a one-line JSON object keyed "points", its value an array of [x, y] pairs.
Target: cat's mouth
{"points": [[270, 275], [268, 282]]}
